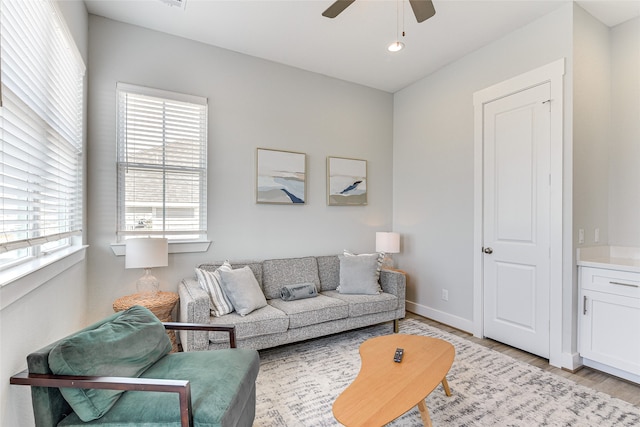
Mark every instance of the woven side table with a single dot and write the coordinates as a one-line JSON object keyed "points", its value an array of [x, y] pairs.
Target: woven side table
{"points": [[160, 304]]}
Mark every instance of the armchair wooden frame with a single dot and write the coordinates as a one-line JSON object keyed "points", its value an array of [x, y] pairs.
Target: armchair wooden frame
{"points": [[183, 388]]}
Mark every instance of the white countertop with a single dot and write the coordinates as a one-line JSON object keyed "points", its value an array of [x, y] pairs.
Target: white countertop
{"points": [[610, 257]]}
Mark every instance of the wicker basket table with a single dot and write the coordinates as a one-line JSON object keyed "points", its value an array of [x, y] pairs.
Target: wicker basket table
{"points": [[160, 304]]}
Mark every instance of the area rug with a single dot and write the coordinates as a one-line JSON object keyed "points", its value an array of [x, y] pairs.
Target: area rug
{"points": [[298, 383]]}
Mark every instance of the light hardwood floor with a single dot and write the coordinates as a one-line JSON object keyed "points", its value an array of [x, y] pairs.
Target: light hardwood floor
{"points": [[597, 380]]}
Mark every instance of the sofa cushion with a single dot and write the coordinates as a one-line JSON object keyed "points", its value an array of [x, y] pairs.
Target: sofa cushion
{"points": [[329, 272], [311, 311], [218, 395], [360, 305], [280, 272], [124, 347], [358, 275], [243, 290], [210, 281], [263, 321]]}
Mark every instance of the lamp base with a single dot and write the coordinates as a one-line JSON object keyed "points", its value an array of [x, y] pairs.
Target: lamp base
{"points": [[387, 261], [148, 284]]}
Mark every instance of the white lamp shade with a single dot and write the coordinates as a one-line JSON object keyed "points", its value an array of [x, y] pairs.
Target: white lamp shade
{"points": [[387, 242], [146, 252]]}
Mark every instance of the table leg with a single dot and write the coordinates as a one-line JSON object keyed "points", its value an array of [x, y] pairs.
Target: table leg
{"points": [[424, 413], [445, 385]]}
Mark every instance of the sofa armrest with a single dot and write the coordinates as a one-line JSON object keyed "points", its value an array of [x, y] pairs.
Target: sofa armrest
{"points": [[178, 326], [183, 388], [395, 283], [194, 308]]}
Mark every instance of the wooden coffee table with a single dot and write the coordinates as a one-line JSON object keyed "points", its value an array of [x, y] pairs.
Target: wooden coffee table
{"points": [[384, 389]]}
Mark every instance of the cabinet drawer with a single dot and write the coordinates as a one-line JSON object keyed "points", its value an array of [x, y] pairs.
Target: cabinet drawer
{"points": [[610, 281]]}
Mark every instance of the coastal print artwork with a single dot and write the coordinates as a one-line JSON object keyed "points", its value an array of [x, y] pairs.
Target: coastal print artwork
{"points": [[346, 182], [280, 177]]}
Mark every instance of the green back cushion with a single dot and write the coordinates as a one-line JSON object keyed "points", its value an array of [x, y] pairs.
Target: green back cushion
{"points": [[123, 347]]}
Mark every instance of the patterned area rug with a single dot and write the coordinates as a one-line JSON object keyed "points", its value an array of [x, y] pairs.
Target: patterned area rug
{"points": [[298, 384]]}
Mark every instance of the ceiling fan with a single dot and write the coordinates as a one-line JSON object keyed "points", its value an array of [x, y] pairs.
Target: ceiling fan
{"points": [[422, 9]]}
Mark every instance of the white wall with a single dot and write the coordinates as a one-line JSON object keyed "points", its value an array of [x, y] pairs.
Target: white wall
{"points": [[624, 184], [53, 310], [252, 103], [606, 131], [591, 127], [433, 163]]}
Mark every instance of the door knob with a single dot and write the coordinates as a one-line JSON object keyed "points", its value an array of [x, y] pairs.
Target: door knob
{"points": [[487, 250]]}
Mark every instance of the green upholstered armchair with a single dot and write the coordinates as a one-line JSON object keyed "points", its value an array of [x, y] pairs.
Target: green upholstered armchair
{"points": [[119, 372]]}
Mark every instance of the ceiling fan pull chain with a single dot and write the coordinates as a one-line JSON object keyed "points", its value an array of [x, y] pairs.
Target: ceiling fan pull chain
{"points": [[402, 2]]}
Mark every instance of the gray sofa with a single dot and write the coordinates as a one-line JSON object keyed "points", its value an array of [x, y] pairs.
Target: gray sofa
{"points": [[282, 322]]}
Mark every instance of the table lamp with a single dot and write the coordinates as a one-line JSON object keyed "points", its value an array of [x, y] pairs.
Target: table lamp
{"points": [[387, 243], [147, 253]]}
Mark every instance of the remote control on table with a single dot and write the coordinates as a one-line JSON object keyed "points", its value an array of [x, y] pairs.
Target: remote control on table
{"points": [[398, 356]]}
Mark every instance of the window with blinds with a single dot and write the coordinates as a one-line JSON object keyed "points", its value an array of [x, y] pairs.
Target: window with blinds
{"points": [[41, 75], [162, 164]]}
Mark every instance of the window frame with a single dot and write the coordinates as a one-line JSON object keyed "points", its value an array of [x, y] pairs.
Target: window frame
{"points": [[27, 106], [178, 239]]}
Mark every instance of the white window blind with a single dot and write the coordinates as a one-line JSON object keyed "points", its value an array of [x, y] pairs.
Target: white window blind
{"points": [[162, 163], [40, 130]]}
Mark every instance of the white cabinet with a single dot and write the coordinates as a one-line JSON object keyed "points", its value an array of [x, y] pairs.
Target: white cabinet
{"points": [[609, 323]]}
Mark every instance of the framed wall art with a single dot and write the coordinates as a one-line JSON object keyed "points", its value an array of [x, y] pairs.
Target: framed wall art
{"points": [[280, 177], [346, 182]]}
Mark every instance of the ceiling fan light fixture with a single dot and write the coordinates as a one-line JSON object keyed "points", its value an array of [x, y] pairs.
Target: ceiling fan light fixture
{"points": [[395, 46]]}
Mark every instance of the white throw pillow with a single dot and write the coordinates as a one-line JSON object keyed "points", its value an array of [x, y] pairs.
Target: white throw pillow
{"points": [[219, 303], [243, 290], [358, 275]]}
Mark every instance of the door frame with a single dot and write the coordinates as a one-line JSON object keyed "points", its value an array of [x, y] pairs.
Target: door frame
{"points": [[554, 74]]}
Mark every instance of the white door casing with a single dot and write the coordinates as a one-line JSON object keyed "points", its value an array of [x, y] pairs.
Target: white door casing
{"points": [[553, 74], [516, 219]]}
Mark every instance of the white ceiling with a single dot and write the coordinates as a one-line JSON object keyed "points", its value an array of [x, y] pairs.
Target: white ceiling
{"points": [[351, 47]]}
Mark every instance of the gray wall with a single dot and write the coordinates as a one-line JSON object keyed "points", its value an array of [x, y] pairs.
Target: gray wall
{"points": [[606, 131], [53, 310], [624, 149], [433, 162], [591, 126], [252, 103]]}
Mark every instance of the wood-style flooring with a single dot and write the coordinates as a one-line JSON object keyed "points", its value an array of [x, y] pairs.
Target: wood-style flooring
{"points": [[594, 379]]}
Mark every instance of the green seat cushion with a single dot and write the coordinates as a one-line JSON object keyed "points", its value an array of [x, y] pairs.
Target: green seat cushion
{"points": [[222, 391], [124, 347]]}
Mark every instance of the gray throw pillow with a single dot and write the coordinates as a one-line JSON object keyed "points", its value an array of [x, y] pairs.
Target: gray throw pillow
{"points": [[380, 256], [243, 290], [358, 275]]}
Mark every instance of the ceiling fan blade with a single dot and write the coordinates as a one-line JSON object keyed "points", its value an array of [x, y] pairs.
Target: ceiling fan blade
{"points": [[422, 9], [336, 8]]}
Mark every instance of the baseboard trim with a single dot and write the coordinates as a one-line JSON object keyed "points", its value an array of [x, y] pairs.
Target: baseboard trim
{"points": [[613, 371], [571, 362], [440, 316]]}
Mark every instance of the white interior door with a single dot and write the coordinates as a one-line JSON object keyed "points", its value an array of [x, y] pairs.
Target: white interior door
{"points": [[516, 215]]}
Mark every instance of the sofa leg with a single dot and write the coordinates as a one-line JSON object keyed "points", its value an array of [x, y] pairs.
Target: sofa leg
{"points": [[396, 326]]}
